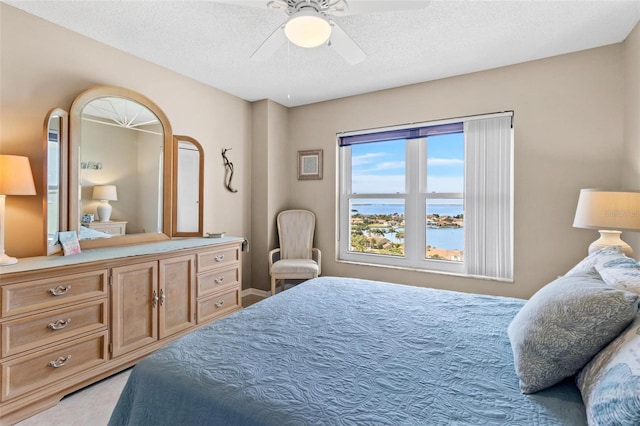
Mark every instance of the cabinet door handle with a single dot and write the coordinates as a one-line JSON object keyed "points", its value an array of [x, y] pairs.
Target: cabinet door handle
{"points": [[59, 362], [219, 303], [219, 258], [59, 325], [219, 280], [155, 299], [61, 290], [161, 296]]}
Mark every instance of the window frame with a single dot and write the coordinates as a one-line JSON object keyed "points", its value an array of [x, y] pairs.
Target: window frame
{"points": [[415, 198]]}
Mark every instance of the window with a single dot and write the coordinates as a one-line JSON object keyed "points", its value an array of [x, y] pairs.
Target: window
{"points": [[435, 196]]}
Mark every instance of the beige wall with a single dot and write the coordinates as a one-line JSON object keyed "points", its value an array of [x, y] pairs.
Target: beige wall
{"points": [[631, 157], [269, 183], [45, 66], [568, 135]]}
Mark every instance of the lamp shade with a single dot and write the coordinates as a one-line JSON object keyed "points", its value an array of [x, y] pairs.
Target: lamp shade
{"points": [[608, 209], [15, 179], [307, 28], [15, 176], [105, 192]]}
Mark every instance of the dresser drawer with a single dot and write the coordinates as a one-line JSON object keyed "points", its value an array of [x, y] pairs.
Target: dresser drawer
{"points": [[51, 292], [35, 371], [219, 258], [218, 305], [210, 282], [38, 330]]}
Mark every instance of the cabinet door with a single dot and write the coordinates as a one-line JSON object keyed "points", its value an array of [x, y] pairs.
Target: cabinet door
{"points": [[177, 295], [134, 306]]}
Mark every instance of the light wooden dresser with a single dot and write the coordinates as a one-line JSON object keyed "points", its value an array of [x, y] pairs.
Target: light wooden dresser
{"points": [[69, 321]]}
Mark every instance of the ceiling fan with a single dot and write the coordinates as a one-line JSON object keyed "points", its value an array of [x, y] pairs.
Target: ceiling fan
{"points": [[311, 24]]}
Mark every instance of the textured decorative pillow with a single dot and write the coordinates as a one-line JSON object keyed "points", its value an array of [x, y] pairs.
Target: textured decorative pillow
{"points": [[610, 382], [597, 258], [621, 273], [564, 325]]}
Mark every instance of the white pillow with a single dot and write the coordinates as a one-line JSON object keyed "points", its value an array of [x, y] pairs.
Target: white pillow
{"points": [[610, 382], [597, 258], [621, 273]]}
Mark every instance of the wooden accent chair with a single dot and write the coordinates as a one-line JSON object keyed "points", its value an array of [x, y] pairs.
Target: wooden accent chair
{"points": [[296, 258]]}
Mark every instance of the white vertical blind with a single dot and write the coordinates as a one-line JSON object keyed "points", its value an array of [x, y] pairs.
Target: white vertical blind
{"points": [[488, 197]]}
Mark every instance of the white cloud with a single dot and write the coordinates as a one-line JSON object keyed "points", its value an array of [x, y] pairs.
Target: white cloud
{"points": [[385, 165], [445, 184], [368, 158], [378, 184], [445, 162]]}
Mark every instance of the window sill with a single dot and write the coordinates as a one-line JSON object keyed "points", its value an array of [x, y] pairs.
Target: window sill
{"points": [[425, 271]]}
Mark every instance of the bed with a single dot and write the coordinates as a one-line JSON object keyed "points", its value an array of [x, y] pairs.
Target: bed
{"points": [[345, 351]]}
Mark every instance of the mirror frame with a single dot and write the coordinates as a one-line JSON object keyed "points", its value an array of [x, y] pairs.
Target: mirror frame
{"points": [[75, 119], [63, 168], [176, 141]]}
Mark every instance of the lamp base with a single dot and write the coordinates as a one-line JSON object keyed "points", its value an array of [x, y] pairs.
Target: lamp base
{"points": [[611, 239], [4, 259], [7, 260], [104, 211]]}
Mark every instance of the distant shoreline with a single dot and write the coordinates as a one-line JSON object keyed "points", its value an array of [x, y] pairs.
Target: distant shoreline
{"points": [[379, 228]]}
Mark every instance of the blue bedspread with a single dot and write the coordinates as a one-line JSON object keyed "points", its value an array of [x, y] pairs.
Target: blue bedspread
{"points": [[336, 351]]}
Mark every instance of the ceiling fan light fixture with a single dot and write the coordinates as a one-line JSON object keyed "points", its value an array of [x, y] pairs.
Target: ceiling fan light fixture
{"points": [[307, 28]]}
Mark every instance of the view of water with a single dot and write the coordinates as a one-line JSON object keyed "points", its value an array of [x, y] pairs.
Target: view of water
{"points": [[444, 238], [441, 209]]}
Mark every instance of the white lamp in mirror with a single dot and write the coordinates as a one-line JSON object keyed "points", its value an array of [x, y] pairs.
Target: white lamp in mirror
{"points": [[104, 193], [15, 179], [610, 212]]}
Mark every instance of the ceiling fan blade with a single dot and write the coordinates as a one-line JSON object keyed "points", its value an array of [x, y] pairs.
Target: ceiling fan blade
{"points": [[345, 45], [372, 6], [270, 45]]}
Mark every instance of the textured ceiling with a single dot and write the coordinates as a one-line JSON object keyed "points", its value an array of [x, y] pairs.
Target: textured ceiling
{"points": [[211, 41]]}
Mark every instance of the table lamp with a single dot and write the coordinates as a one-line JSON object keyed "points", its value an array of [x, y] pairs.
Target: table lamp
{"points": [[610, 212], [104, 193], [15, 179]]}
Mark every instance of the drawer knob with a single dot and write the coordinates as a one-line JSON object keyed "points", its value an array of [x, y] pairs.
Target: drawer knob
{"points": [[59, 325], [154, 300], [219, 258], [162, 297], [59, 362], [219, 303], [219, 280], [61, 290]]}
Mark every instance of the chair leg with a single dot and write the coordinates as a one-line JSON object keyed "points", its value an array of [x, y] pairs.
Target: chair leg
{"points": [[283, 283], [273, 285]]}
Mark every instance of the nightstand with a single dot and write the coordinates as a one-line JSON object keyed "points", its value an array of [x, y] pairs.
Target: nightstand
{"points": [[113, 227]]}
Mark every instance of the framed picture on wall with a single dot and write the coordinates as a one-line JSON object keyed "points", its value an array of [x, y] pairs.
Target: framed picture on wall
{"points": [[310, 165]]}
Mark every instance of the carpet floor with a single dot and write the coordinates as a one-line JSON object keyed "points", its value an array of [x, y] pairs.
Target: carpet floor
{"points": [[89, 406]]}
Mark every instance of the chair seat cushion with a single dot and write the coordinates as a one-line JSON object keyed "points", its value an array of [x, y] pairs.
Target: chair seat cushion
{"points": [[298, 266]]}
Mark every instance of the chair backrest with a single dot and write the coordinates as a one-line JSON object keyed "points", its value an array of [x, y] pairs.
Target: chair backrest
{"points": [[295, 230]]}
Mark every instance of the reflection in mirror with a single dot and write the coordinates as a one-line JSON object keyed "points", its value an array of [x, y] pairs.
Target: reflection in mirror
{"points": [[120, 166], [55, 176], [121, 159], [188, 186]]}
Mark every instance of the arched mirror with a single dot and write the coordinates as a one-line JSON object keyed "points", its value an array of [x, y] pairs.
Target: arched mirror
{"points": [[55, 141], [120, 168], [187, 186]]}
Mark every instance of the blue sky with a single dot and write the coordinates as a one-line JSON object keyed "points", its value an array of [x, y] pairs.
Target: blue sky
{"points": [[379, 167]]}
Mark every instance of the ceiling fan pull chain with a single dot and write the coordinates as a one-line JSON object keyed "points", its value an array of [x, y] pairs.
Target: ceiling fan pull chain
{"points": [[288, 71]]}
